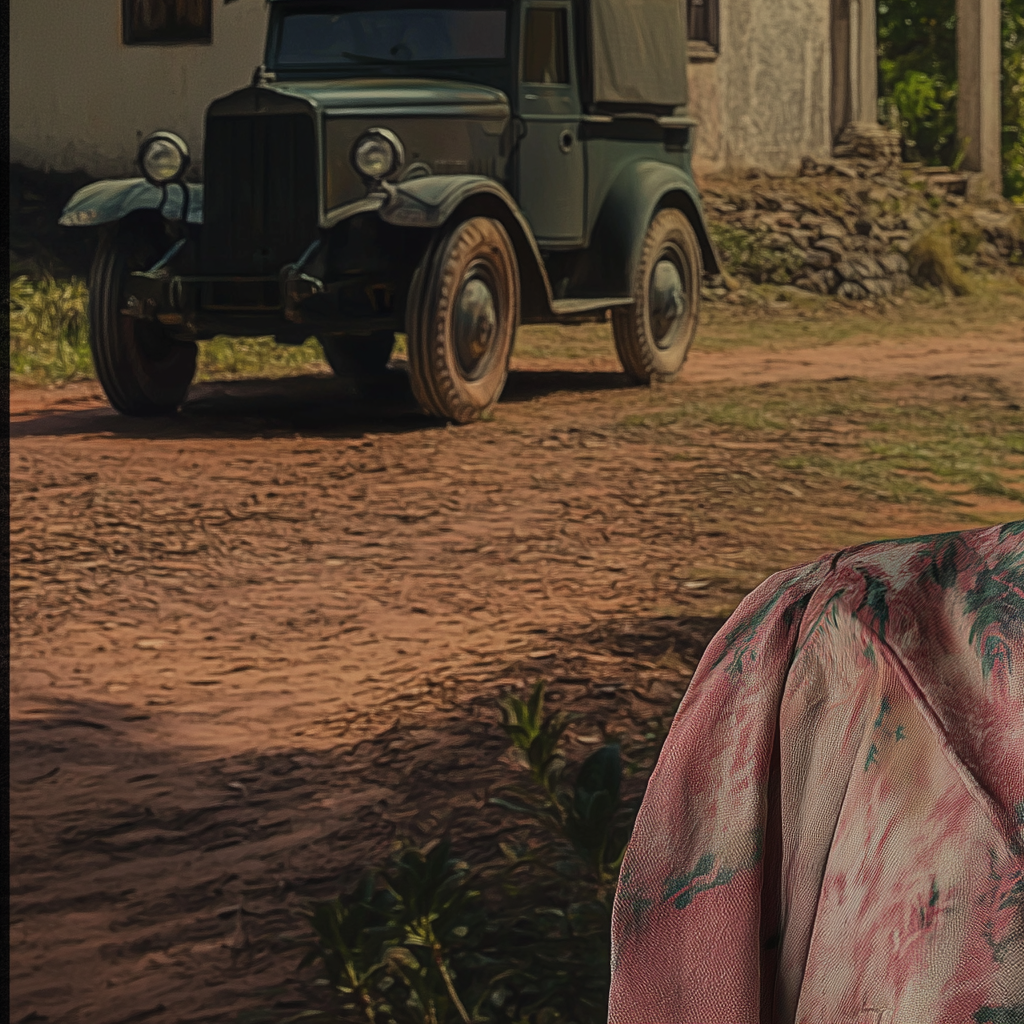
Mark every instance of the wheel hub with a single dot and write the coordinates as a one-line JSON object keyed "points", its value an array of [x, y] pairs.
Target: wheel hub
{"points": [[475, 325], [667, 302]]}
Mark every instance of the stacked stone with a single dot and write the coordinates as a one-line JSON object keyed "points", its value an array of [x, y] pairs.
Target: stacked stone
{"points": [[847, 231]]}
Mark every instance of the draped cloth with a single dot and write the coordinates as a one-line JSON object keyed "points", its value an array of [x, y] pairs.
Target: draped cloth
{"points": [[834, 832]]}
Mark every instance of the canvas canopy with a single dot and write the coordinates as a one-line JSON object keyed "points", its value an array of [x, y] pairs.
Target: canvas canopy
{"points": [[639, 51]]}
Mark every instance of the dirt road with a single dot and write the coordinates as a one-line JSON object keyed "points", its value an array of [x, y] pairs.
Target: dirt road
{"points": [[252, 642]]}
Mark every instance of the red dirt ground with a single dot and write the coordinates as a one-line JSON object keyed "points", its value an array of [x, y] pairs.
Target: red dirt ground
{"points": [[251, 643]]}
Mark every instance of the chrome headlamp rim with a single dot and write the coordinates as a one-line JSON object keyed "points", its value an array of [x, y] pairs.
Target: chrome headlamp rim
{"points": [[385, 137], [168, 139]]}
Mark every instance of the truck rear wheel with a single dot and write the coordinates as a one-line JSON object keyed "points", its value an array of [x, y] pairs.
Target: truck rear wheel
{"points": [[653, 336], [355, 356], [461, 320], [143, 371]]}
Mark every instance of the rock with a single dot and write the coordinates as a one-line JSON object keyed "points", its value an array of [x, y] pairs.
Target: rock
{"points": [[894, 264], [900, 282], [852, 290], [777, 242], [832, 229], [819, 259], [869, 267], [801, 239], [849, 271], [812, 220], [863, 226], [832, 246], [988, 251], [878, 287]]}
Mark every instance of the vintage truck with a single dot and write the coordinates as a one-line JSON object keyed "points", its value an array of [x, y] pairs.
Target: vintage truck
{"points": [[447, 169]]}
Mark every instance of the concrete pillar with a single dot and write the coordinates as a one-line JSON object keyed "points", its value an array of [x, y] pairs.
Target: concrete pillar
{"points": [[979, 114], [864, 61], [854, 64]]}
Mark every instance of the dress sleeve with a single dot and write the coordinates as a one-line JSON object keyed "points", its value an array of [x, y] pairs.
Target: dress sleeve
{"points": [[696, 911]]}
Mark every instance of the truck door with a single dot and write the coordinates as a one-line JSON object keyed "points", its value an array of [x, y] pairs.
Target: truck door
{"points": [[550, 165]]}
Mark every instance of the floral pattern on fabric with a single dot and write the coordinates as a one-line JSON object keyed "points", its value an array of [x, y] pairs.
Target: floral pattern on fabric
{"points": [[834, 833]]}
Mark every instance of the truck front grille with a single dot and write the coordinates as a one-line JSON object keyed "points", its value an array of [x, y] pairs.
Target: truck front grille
{"points": [[260, 196]]}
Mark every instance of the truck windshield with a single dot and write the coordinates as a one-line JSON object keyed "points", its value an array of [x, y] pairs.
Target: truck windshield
{"points": [[382, 35]]}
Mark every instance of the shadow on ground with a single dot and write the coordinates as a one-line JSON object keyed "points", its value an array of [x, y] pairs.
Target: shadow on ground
{"points": [[311, 404], [153, 882]]}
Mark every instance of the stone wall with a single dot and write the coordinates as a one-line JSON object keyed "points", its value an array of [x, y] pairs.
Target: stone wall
{"points": [[765, 101], [858, 226]]}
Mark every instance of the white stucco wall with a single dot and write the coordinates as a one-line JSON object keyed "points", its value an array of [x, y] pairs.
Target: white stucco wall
{"points": [[82, 100], [765, 101]]}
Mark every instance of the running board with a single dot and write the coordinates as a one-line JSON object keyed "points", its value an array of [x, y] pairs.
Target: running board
{"points": [[571, 307]]}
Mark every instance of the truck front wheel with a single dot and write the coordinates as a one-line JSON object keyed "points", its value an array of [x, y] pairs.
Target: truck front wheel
{"points": [[143, 371], [653, 335], [461, 320]]}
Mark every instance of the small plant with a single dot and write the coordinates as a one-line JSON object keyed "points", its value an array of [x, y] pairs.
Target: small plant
{"points": [[933, 262], [429, 939], [747, 254], [49, 329]]}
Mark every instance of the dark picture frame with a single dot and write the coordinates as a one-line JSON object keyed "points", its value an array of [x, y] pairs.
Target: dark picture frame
{"points": [[166, 22]]}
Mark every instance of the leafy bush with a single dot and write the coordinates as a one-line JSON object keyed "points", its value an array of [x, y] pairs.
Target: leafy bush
{"points": [[430, 939], [918, 65]]}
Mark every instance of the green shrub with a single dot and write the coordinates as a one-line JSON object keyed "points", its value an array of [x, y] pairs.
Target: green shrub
{"points": [[430, 939]]}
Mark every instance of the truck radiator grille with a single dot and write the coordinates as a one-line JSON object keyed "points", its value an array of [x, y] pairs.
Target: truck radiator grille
{"points": [[260, 196]]}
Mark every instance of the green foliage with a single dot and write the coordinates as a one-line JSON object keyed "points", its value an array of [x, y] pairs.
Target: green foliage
{"points": [[49, 330], [746, 253], [1013, 99], [428, 939], [918, 71]]}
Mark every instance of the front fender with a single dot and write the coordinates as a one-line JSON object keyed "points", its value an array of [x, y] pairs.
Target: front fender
{"points": [[638, 192], [103, 202], [431, 201]]}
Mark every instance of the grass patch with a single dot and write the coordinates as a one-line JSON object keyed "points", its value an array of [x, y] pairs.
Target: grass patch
{"points": [[942, 441], [49, 330], [224, 358]]}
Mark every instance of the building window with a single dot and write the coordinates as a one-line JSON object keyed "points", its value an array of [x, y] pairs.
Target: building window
{"points": [[703, 25], [149, 22]]}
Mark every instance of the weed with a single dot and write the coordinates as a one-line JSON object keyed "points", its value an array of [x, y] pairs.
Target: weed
{"points": [[49, 330], [933, 262], [430, 939], [225, 358], [748, 254]]}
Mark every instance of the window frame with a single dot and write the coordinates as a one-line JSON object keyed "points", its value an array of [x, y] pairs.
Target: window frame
{"points": [[706, 43], [129, 36], [562, 10]]}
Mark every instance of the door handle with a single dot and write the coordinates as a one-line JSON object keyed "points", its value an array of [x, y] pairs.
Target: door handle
{"points": [[565, 141]]}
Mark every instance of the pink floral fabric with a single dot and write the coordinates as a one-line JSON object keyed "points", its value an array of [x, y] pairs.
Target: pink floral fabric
{"points": [[834, 833]]}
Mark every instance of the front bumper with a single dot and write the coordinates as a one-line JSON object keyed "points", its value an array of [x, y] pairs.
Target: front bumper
{"points": [[282, 303]]}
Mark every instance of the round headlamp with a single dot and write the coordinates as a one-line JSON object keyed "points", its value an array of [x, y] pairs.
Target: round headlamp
{"points": [[378, 153], [163, 158]]}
